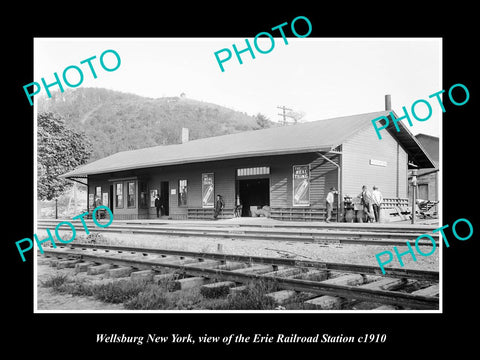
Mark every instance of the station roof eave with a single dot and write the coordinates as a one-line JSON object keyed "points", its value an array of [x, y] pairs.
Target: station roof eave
{"points": [[416, 152], [83, 172]]}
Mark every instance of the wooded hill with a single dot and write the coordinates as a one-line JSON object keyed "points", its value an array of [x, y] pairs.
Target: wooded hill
{"points": [[114, 121]]}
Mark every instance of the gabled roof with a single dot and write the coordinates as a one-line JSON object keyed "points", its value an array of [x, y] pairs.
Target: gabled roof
{"points": [[322, 135]]}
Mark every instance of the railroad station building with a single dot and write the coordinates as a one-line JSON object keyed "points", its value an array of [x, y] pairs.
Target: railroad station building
{"points": [[290, 169]]}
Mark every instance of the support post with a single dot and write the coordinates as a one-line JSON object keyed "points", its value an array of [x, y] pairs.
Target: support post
{"points": [[414, 191], [339, 173]]}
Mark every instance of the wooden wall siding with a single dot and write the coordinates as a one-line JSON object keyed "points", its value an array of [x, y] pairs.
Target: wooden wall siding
{"points": [[431, 180], [357, 171], [323, 176], [403, 173], [280, 188]]}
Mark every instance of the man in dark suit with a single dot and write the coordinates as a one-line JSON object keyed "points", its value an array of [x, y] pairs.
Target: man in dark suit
{"points": [[158, 205], [219, 205]]}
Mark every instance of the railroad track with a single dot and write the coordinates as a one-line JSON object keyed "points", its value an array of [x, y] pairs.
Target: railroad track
{"points": [[334, 283], [345, 234]]}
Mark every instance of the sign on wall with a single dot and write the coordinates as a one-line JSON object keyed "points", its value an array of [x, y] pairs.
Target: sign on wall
{"points": [[153, 195], [208, 193], [378, 162], [301, 185]]}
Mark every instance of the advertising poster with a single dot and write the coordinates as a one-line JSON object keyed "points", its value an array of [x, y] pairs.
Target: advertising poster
{"points": [[301, 185], [153, 195], [208, 191]]}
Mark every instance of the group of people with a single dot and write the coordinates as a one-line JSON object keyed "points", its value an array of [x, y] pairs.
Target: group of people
{"points": [[371, 202]]}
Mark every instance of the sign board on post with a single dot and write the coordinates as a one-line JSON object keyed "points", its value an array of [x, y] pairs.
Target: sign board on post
{"points": [[208, 191], [301, 185]]}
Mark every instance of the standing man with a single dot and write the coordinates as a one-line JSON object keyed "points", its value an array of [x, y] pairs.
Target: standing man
{"points": [[158, 205], [366, 200], [329, 203], [377, 200], [219, 205]]}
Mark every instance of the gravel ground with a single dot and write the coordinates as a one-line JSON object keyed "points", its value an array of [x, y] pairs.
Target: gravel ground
{"points": [[328, 252]]}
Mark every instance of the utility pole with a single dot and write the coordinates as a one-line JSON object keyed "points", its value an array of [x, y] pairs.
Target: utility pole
{"points": [[414, 188], [284, 115]]}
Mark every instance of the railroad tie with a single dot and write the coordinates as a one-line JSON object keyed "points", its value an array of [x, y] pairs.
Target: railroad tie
{"points": [[188, 283], [210, 264], [122, 271], [255, 269], [314, 275], [328, 302], [98, 269], [62, 264], [238, 289], [282, 296], [216, 289], [83, 266], [165, 277], [146, 275], [433, 291], [232, 265], [285, 272], [379, 283]]}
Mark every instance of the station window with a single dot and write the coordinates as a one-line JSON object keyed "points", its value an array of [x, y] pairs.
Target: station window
{"points": [[119, 195], [131, 194], [182, 192]]}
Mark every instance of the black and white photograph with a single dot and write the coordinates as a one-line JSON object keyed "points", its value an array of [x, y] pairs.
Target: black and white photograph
{"points": [[278, 188], [269, 198]]}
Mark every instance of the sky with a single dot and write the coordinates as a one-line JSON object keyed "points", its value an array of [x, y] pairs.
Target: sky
{"points": [[320, 77]]}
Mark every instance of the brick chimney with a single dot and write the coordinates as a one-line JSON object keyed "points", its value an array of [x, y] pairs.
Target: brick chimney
{"points": [[185, 136], [388, 103]]}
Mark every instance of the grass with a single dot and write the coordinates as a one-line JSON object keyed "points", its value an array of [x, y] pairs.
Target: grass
{"points": [[252, 298], [56, 282], [147, 295]]}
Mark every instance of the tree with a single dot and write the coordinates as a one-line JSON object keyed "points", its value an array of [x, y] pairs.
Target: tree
{"points": [[263, 121], [296, 115], [59, 150]]}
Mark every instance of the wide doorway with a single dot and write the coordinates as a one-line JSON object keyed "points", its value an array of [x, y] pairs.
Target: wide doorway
{"points": [[164, 198], [253, 192]]}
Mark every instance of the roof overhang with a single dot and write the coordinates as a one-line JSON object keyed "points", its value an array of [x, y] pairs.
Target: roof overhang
{"points": [[80, 173], [416, 152]]}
